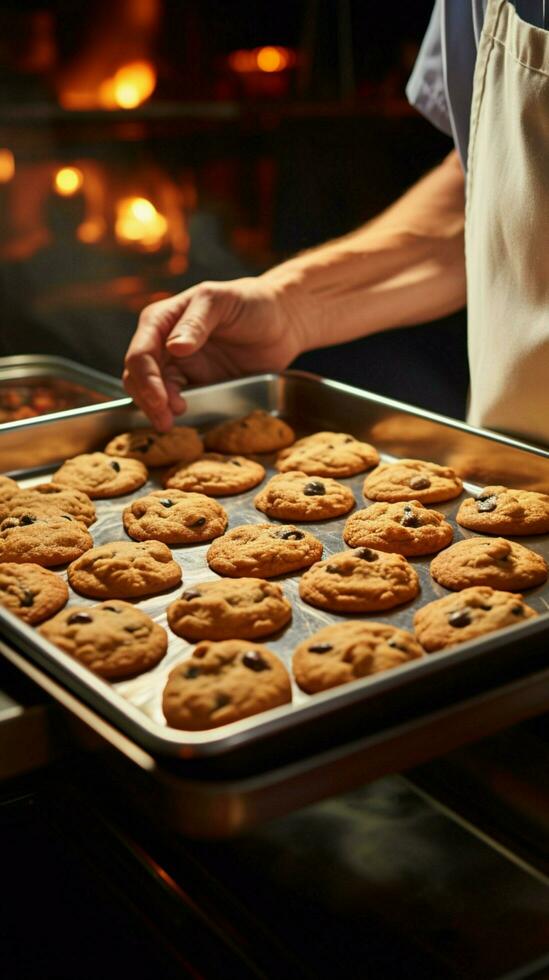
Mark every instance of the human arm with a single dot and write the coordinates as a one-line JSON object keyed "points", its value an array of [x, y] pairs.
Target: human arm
{"points": [[406, 266]]}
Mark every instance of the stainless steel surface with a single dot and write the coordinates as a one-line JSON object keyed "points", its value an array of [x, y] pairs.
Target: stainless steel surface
{"points": [[134, 706], [20, 367]]}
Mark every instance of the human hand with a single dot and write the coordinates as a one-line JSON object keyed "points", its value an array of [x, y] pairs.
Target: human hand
{"points": [[210, 332]]}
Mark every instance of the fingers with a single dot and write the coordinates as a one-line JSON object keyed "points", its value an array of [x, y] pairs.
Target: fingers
{"points": [[156, 405], [200, 317]]}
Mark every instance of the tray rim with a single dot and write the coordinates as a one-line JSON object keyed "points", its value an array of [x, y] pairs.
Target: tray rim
{"points": [[215, 742]]}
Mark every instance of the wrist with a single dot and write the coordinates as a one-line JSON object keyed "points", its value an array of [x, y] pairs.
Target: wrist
{"points": [[297, 305]]}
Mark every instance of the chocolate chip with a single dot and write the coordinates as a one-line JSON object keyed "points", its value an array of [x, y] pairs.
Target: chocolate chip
{"points": [[79, 617], [235, 462], [320, 648], [131, 629], [460, 618], [66, 517], [410, 518], [333, 570], [254, 661], [221, 700], [487, 503], [192, 672], [365, 553], [115, 466], [244, 425], [112, 609], [28, 598], [419, 483], [484, 606], [191, 595], [291, 535], [27, 519], [143, 447], [200, 522], [517, 610], [166, 502], [349, 439], [314, 489], [397, 646]]}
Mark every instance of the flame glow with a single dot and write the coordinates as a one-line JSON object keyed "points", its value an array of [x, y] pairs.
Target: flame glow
{"points": [[7, 166], [68, 181], [138, 222], [129, 87], [267, 59]]}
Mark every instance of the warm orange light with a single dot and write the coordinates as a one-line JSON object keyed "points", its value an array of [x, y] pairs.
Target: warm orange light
{"points": [[138, 222], [91, 230], [272, 59], [7, 166], [129, 87], [242, 61], [68, 181]]}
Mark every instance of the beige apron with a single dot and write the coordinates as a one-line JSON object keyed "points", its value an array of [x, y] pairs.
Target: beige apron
{"points": [[507, 228]]}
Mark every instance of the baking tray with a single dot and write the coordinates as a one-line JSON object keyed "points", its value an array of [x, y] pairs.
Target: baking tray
{"points": [[312, 724]]}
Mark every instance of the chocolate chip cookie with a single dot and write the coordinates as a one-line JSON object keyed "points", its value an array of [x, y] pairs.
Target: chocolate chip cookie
{"points": [[8, 489], [297, 497], [348, 651], [217, 475], [263, 550], [499, 510], [489, 561], [223, 682], [31, 592], [404, 528], [180, 444], [175, 517], [412, 479], [467, 615], [46, 539], [101, 476], [258, 432], [114, 639], [221, 610], [334, 454], [54, 498], [124, 570], [363, 580]]}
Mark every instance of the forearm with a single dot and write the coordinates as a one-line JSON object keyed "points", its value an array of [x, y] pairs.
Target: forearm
{"points": [[406, 266]]}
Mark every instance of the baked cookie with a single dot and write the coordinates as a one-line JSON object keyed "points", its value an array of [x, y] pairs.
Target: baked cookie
{"points": [[217, 475], [181, 443], [412, 479], [297, 497], [114, 639], [220, 610], [101, 476], [8, 489], [258, 432], [489, 561], [499, 510], [54, 498], [175, 517], [347, 651], [223, 682], [124, 570], [467, 615], [46, 539], [31, 592], [359, 581], [328, 454], [263, 550], [403, 528]]}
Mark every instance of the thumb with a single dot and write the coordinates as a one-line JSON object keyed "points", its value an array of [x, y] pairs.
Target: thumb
{"points": [[192, 330]]}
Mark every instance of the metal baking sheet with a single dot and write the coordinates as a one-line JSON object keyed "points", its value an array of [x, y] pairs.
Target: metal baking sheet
{"points": [[308, 403]]}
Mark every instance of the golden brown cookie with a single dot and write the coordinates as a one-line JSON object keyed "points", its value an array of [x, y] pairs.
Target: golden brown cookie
{"points": [[175, 517], [31, 592], [47, 539], [223, 609], [180, 444], [101, 476], [263, 550], [348, 651], [489, 561], [406, 528], [223, 682], [359, 581], [258, 432], [334, 454], [8, 489], [124, 570], [297, 497], [54, 498], [217, 475], [412, 479], [499, 510], [468, 615], [114, 639]]}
